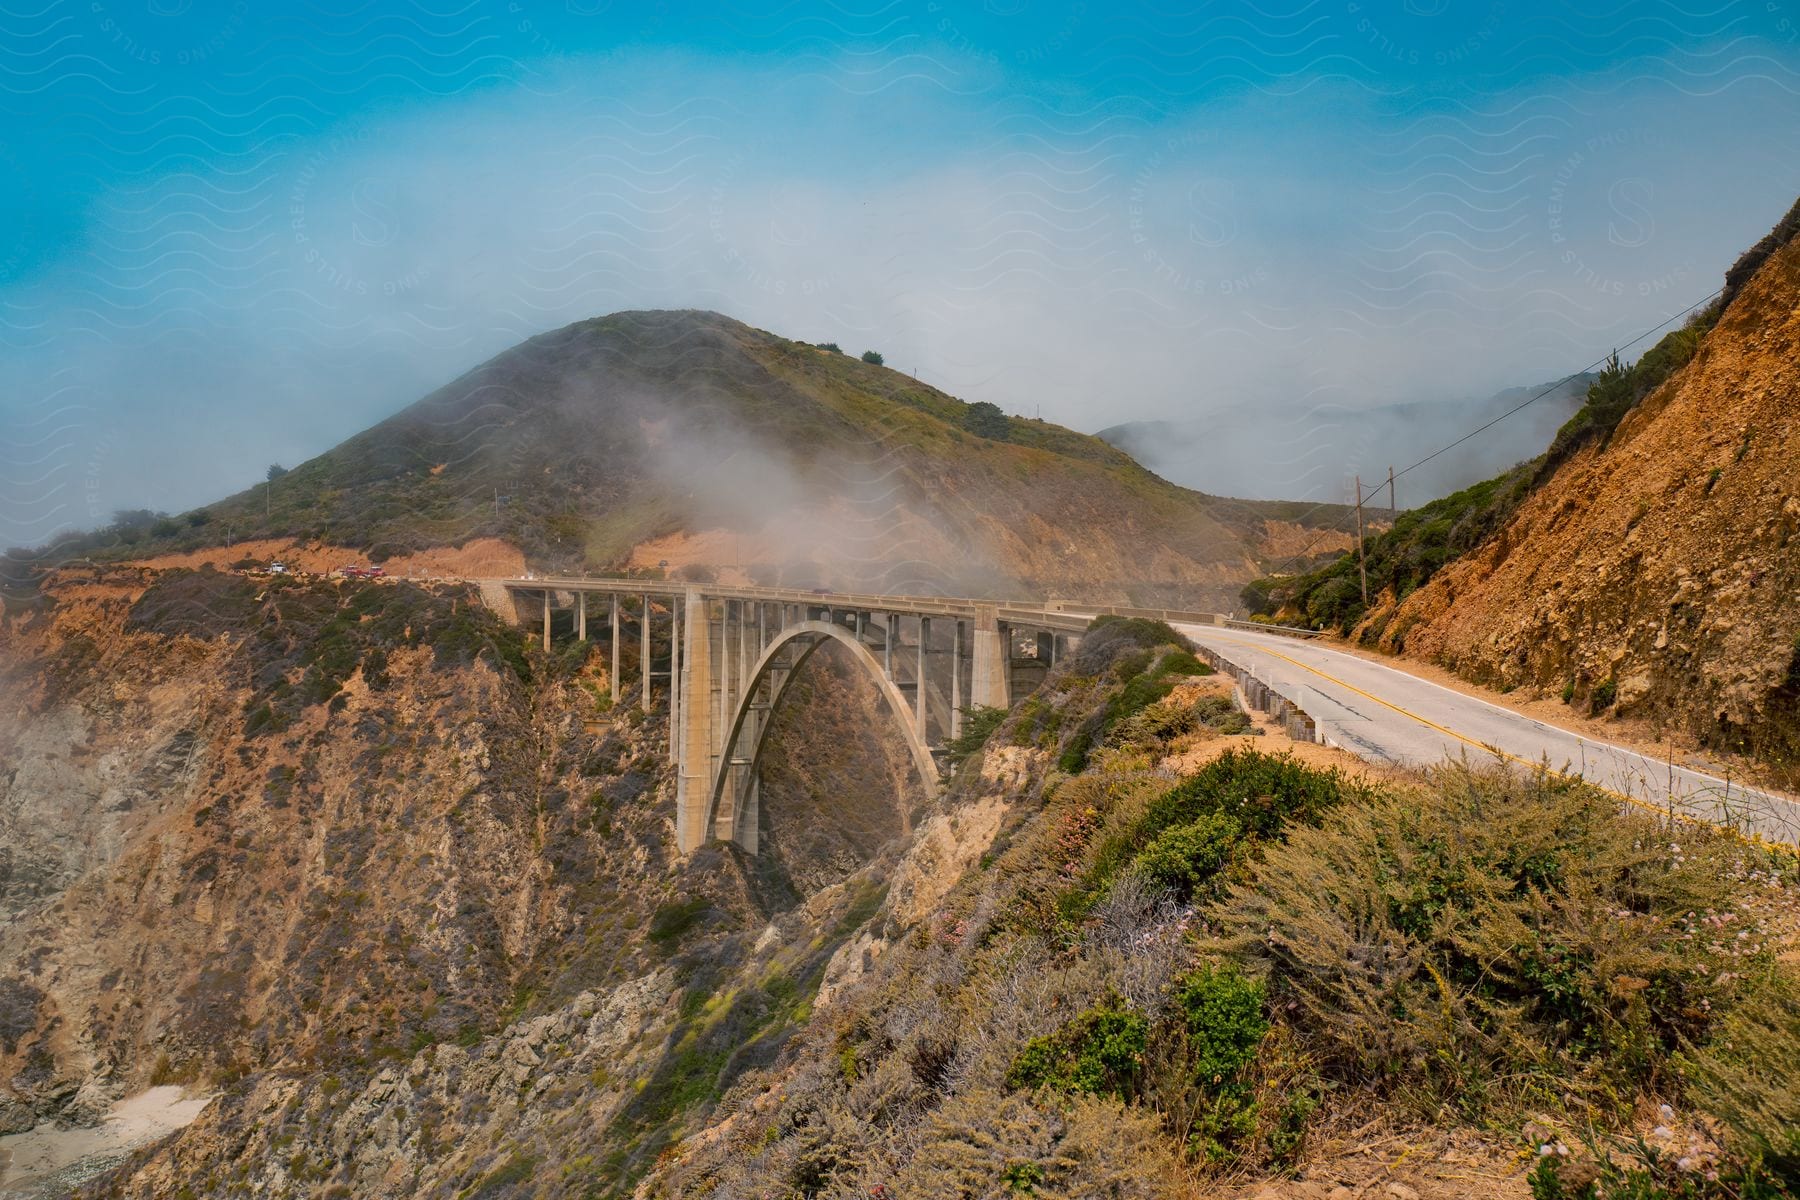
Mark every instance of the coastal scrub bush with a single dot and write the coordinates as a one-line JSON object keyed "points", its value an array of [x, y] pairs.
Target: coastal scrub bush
{"points": [[1146, 676], [1186, 836], [1497, 936], [1184, 858], [1099, 1053], [1748, 1075], [1220, 1020]]}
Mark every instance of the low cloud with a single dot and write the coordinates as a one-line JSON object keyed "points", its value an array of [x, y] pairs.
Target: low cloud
{"points": [[1246, 255]]}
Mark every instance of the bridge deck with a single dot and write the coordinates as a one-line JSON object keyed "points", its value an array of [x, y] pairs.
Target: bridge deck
{"points": [[1062, 616]]}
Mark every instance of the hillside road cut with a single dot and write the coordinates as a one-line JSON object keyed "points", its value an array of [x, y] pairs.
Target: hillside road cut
{"points": [[1383, 714]]}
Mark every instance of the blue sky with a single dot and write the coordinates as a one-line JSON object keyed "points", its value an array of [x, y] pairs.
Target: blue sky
{"points": [[239, 233]]}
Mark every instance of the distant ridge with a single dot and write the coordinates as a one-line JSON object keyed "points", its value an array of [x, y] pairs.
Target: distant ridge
{"points": [[1308, 453]]}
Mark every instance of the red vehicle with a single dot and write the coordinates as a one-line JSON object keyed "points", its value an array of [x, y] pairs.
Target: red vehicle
{"points": [[351, 572], [373, 573]]}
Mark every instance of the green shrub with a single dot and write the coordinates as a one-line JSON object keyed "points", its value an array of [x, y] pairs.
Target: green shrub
{"points": [[1162, 722], [1257, 793], [515, 1170], [1223, 1013], [1185, 858], [1264, 792], [1181, 662], [1605, 694], [873, 357], [1107, 633], [1221, 1026], [1099, 1053]]}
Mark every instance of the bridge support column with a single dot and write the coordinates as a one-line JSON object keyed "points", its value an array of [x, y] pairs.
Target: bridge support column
{"points": [[745, 661], [546, 620], [924, 677], [694, 763], [644, 651], [988, 685], [613, 655], [581, 615], [674, 680], [957, 644]]}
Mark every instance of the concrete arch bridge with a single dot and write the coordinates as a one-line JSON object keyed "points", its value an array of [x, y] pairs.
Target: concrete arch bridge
{"points": [[723, 658]]}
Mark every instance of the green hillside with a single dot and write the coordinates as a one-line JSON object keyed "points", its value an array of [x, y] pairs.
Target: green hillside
{"points": [[582, 443]]}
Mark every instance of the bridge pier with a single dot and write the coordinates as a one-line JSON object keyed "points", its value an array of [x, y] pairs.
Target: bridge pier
{"points": [[613, 654], [988, 687], [693, 791], [956, 692]]}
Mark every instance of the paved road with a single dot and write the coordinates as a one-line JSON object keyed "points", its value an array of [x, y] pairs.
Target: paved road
{"points": [[1387, 715]]}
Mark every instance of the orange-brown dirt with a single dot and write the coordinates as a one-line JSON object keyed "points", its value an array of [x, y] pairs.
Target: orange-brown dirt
{"points": [[479, 558], [1284, 539], [1665, 560]]}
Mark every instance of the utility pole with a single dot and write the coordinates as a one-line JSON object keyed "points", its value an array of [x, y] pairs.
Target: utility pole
{"points": [[1393, 508], [1362, 557]]}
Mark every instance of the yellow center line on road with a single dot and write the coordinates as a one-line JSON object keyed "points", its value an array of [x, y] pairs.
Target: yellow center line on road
{"points": [[1405, 712], [1542, 765]]}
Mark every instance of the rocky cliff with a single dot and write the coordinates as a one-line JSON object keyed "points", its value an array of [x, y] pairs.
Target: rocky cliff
{"points": [[328, 850]]}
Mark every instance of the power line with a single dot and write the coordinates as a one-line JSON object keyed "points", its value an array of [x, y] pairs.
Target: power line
{"points": [[1709, 298]]}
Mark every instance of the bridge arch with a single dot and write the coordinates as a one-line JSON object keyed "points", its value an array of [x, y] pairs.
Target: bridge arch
{"points": [[734, 779]]}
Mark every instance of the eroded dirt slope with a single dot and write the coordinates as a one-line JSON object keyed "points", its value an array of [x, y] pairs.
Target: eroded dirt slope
{"points": [[1659, 570]]}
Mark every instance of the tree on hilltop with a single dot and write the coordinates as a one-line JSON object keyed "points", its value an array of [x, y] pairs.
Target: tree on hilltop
{"points": [[986, 420]]}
